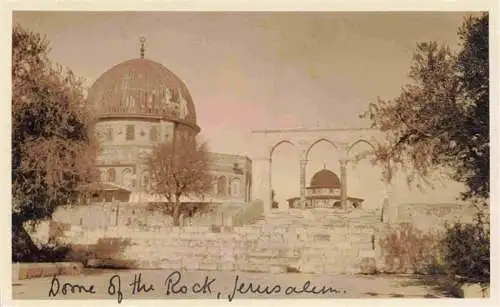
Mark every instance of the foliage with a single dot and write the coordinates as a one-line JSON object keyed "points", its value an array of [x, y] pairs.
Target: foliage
{"points": [[179, 168], [186, 210], [441, 120], [468, 250], [53, 148], [408, 249]]}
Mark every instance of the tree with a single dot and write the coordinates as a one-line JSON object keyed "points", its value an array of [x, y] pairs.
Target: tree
{"points": [[274, 203], [53, 148], [176, 169], [441, 120]]}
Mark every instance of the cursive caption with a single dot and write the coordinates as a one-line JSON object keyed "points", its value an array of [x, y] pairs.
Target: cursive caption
{"points": [[174, 286]]}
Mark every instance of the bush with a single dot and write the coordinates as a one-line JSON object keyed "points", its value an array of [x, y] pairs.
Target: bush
{"points": [[406, 249], [468, 250]]}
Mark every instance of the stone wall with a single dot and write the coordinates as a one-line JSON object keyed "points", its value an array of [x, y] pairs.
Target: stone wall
{"points": [[312, 241], [434, 216], [240, 238], [104, 215]]}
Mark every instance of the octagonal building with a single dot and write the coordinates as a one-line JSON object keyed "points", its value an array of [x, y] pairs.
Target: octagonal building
{"points": [[140, 103]]}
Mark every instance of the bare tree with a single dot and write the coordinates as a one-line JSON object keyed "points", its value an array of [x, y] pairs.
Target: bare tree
{"points": [[178, 169]]}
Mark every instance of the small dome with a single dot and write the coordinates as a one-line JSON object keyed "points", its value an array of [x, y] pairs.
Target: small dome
{"points": [[325, 179], [142, 88]]}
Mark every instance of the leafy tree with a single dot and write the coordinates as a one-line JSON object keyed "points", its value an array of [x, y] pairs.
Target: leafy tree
{"points": [[179, 168], [53, 148], [441, 120]]}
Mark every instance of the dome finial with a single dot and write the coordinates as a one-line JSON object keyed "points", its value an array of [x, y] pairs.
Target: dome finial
{"points": [[142, 40]]}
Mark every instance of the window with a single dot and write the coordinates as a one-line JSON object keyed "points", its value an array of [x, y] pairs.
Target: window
{"points": [[153, 134], [235, 187], [145, 179], [126, 177], [221, 186], [111, 175], [109, 134], [130, 133]]}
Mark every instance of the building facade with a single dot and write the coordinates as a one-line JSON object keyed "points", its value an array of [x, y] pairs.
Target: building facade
{"points": [[139, 104]]}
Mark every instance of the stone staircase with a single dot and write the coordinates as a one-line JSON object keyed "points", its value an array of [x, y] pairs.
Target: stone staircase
{"points": [[314, 241], [308, 241]]}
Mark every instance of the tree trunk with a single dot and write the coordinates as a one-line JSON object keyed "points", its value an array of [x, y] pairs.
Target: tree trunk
{"points": [[23, 248], [177, 212]]}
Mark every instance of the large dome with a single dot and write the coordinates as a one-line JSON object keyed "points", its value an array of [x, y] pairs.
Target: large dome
{"points": [[142, 88], [325, 179]]}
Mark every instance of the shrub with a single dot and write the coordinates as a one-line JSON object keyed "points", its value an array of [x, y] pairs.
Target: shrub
{"points": [[406, 249], [468, 250]]}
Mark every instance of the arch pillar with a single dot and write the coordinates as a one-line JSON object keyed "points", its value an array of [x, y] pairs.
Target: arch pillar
{"points": [[343, 159], [303, 164], [343, 183], [261, 178]]}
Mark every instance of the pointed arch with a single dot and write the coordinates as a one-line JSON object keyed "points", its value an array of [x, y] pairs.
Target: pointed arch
{"points": [[110, 175], [273, 148], [319, 141], [360, 141]]}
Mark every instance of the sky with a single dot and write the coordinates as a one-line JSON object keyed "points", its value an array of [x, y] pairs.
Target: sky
{"points": [[250, 71]]}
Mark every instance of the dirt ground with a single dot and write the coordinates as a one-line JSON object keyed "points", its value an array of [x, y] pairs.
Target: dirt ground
{"points": [[168, 284]]}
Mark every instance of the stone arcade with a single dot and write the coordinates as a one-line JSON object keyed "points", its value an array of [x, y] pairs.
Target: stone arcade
{"points": [[343, 140]]}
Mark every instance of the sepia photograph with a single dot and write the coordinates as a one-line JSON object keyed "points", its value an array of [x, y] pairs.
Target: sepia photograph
{"points": [[236, 155]]}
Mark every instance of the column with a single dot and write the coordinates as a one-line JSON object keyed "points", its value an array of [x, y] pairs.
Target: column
{"points": [[343, 183], [261, 181], [303, 164]]}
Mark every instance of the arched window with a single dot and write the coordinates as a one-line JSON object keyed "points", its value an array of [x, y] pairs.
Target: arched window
{"points": [[235, 187], [145, 179], [126, 179], [130, 133], [111, 175], [153, 134], [102, 174], [222, 186]]}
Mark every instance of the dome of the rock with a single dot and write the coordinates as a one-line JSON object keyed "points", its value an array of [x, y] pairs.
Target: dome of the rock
{"points": [[144, 89], [325, 179]]}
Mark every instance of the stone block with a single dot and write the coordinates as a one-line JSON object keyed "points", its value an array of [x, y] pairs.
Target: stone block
{"points": [[311, 267], [191, 263], [368, 265], [69, 268], [171, 265], [263, 253], [226, 265], [277, 269], [250, 267], [208, 266]]}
